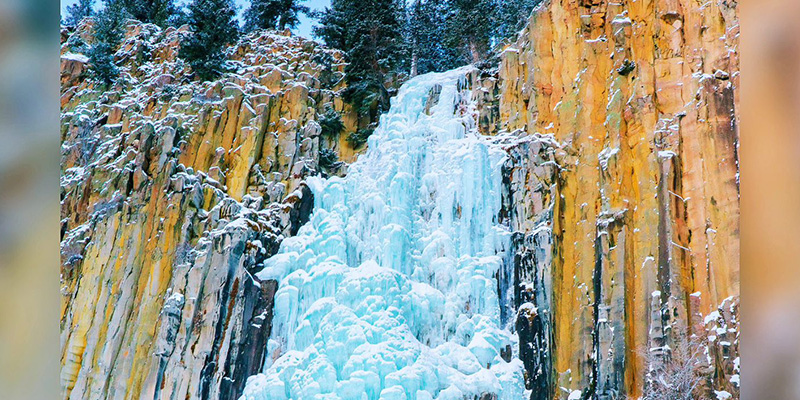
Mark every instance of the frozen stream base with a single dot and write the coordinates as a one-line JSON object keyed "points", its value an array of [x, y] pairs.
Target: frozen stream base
{"points": [[390, 291]]}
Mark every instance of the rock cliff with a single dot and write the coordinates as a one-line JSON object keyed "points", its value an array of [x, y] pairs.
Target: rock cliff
{"points": [[624, 200], [173, 192], [620, 124]]}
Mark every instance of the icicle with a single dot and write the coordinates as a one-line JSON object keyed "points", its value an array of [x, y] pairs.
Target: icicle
{"points": [[390, 290]]}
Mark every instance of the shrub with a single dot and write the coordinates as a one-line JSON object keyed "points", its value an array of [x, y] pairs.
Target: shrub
{"points": [[358, 138], [367, 94], [327, 158], [676, 374], [331, 123]]}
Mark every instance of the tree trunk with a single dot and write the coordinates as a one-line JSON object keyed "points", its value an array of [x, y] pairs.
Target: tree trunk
{"points": [[414, 63], [473, 50]]}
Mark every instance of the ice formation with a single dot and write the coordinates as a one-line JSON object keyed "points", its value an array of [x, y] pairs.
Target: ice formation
{"points": [[390, 291]]}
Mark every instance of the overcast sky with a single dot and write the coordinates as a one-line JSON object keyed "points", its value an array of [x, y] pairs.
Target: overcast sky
{"points": [[304, 29]]}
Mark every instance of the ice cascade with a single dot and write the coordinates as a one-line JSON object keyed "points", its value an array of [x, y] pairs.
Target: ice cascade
{"points": [[390, 291]]}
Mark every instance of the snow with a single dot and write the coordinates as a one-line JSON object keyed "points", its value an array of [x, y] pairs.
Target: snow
{"points": [[75, 57], [390, 290], [605, 155], [722, 395], [713, 316], [667, 154], [575, 395]]}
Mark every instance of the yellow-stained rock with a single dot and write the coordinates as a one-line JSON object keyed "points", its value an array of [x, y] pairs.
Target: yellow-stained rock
{"points": [[639, 100], [171, 192]]}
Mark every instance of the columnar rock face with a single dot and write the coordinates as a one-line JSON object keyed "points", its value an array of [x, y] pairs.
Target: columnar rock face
{"points": [[173, 192], [625, 198], [620, 190]]}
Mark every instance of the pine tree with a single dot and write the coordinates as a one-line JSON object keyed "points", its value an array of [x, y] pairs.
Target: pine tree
{"points": [[469, 27], [427, 32], [273, 14], [79, 11], [444, 34], [108, 33], [213, 28], [511, 16], [419, 31], [162, 12], [159, 12], [370, 32]]}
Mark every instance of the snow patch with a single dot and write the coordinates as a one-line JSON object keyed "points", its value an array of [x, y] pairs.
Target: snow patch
{"points": [[76, 57], [722, 395]]}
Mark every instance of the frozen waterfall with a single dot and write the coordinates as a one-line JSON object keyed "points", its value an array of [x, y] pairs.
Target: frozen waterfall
{"points": [[390, 291]]}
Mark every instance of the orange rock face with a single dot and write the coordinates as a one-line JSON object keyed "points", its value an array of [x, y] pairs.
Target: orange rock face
{"points": [[173, 192], [636, 104]]}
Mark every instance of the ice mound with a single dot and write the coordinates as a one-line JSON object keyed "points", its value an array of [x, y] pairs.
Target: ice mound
{"points": [[390, 290]]}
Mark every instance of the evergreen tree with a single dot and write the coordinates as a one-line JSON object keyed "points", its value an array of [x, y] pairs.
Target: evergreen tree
{"points": [[108, 34], [420, 30], [273, 14], [511, 16], [159, 12], [426, 36], [213, 28], [469, 27], [178, 18], [370, 32], [79, 11], [162, 12], [444, 34]]}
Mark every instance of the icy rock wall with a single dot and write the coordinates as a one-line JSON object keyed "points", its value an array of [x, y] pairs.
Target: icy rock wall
{"points": [[391, 290]]}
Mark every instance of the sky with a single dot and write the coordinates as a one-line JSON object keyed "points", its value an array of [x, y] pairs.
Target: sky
{"points": [[303, 29]]}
